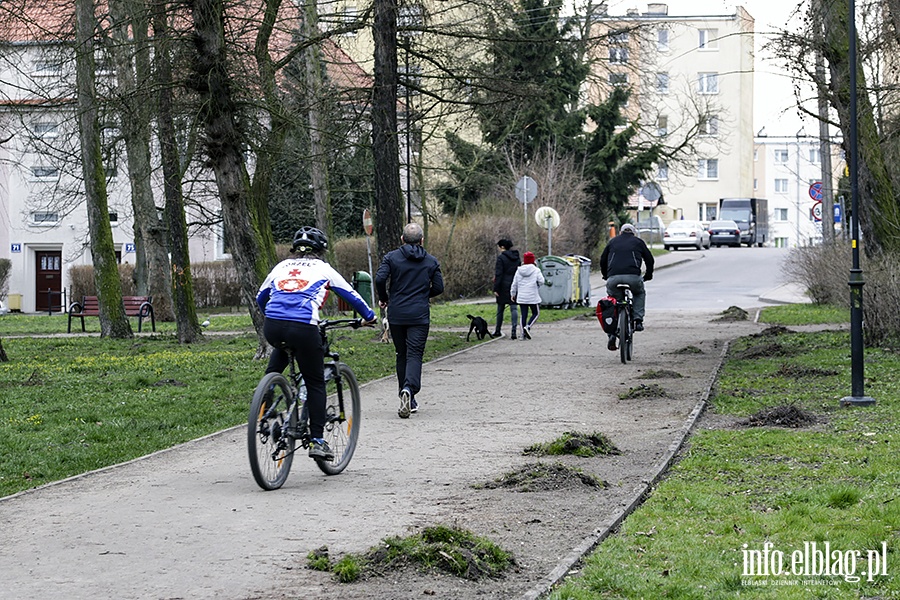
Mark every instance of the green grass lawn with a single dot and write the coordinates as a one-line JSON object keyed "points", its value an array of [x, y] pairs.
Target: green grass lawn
{"points": [[737, 489], [75, 403]]}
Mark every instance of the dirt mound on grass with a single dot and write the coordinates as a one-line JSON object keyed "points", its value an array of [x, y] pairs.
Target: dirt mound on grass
{"points": [[773, 331], [733, 313], [780, 416], [543, 477]]}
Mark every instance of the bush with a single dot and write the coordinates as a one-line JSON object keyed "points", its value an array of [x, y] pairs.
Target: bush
{"points": [[825, 272], [5, 269], [81, 281]]}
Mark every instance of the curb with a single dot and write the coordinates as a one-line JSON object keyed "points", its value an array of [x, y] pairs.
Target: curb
{"points": [[565, 565]]}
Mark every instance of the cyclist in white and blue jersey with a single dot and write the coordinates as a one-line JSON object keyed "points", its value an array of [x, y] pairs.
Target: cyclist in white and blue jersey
{"points": [[290, 299]]}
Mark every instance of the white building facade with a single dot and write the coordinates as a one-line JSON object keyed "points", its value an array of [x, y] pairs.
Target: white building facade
{"points": [[691, 77], [788, 172]]}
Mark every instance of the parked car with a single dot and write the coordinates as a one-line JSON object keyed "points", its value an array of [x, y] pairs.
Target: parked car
{"points": [[680, 234], [724, 233]]}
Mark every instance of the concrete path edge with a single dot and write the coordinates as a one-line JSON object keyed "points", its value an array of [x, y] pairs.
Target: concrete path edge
{"points": [[641, 494]]}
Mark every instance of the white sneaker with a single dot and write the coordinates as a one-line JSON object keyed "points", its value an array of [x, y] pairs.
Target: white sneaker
{"points": [[526, 331], [403, 411]]}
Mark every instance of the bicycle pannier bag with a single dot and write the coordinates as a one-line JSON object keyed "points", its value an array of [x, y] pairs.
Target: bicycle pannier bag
{"points": [[606, 314]]}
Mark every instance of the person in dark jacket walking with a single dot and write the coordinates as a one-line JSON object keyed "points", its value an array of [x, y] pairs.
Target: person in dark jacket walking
{"points": [[621, 262], [406, 279], [504, 271]]}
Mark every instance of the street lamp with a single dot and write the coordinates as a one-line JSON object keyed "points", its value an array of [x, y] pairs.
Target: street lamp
{"points": [[856, 280]]}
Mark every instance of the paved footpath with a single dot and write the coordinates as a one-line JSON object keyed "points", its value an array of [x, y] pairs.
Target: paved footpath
{"points": [[191, 523]]}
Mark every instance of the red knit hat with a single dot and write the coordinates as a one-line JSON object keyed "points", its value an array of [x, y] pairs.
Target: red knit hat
{"points": [[528, 258]]}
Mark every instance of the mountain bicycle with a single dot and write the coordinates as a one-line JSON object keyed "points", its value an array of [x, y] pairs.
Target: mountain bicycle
{"points": [[625, 330], [279, 417]]}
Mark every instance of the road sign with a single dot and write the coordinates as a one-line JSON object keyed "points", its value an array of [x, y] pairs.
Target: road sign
{"points": [[815, 191], [817, 211], [367, 221], [837, 213], [526, 189]]}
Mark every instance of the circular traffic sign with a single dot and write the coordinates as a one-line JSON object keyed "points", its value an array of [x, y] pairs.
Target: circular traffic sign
{"points": [[817, 211], [526, 189], [815, 190], [367, 221]]}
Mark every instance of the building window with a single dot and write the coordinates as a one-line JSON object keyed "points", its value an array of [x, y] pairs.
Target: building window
{"points": [[113, 218], [410, 17], [618, 55], [755, 183], [662, 83], [708, 168], [662, 171], [707, 212], [619, 38], [781, 214], [781, 186], [662, 126], [413, 79], [44, 173], [755, 154], [781, 242], [47, 68], [781, 156], [45, 129], [45, 217], [709, 126], [708, 83], [348, 17], [618, 78], [709, 39], [662, 40], [815, 156]]}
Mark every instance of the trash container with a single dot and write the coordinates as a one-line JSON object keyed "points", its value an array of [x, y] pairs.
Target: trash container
{"points": [[557, 289], [362, 283], [582, 293]]}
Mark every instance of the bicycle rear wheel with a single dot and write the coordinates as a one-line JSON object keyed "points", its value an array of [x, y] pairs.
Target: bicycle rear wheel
{"points": [[271, 452], [624, 335], [630, 344], [342, 419]]}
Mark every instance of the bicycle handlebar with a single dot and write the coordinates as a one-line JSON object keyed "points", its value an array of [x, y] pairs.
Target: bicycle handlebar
{"points": [[338, 323]]}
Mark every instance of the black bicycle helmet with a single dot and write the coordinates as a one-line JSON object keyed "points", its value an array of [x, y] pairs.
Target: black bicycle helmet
{"points": [[309, 239]]}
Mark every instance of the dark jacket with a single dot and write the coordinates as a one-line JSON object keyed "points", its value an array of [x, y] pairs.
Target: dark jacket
{"points": [[415, 276], [504, 271], [623, 255]]}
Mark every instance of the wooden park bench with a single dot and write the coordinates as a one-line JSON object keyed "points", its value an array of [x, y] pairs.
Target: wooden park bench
{"points": [[135, 306]]}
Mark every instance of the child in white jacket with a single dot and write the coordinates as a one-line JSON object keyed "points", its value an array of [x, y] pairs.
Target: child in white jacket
{"points": [[525, 291]]}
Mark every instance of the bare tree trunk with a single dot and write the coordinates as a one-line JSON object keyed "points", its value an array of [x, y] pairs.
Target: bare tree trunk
{"points": [[219, 117], [131, 51], [188, 328], [385, 145], [318, 168], [879, 217]]}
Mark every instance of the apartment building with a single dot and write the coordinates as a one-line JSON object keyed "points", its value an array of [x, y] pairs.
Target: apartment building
{"points": [[691, 78], [788, 172]]}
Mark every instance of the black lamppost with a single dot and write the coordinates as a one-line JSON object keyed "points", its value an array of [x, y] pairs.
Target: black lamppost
{"points": [[856, 280]]}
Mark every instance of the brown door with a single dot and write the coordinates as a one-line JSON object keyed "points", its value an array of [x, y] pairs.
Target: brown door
{"points": [[48, 282]]}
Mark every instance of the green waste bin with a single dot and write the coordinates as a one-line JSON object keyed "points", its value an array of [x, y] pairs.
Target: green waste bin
{"points": [[362, 283], [557, 288]]}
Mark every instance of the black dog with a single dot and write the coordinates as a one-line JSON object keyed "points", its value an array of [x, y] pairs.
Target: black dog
{"points": [[479, 326]]}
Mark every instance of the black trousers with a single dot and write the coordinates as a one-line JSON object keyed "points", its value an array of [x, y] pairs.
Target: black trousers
{"points": [[409, 343], [306, 343]]}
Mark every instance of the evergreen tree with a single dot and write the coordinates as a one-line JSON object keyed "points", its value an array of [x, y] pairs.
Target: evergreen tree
{"points": [[531, 84]]}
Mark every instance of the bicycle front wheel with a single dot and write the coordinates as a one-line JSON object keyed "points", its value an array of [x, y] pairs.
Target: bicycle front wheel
{"points": [[343, 411], [271, 451], [624, 335]]}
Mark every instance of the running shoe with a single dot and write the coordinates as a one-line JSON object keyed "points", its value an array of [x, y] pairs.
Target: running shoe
{"points": [[403, 411], [318, 448]]}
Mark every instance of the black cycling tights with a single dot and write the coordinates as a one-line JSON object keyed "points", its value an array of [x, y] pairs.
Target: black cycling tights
{"points": [[306, 342]]}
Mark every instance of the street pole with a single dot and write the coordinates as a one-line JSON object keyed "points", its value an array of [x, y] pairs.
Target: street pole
{"points": [[856, 280]]}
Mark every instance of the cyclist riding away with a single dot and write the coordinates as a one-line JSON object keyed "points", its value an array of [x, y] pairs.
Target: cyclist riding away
{"points": [[290, 299], [621, 263]]}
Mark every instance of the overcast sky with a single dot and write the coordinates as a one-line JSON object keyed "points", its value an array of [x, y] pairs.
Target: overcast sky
{"points": [[773, 89]]}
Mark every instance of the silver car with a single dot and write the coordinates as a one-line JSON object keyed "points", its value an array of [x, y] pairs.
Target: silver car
{"points": [[684, 234]]}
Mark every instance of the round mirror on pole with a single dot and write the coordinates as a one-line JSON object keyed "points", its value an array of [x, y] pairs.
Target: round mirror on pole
{"points": [[547, 218]]}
